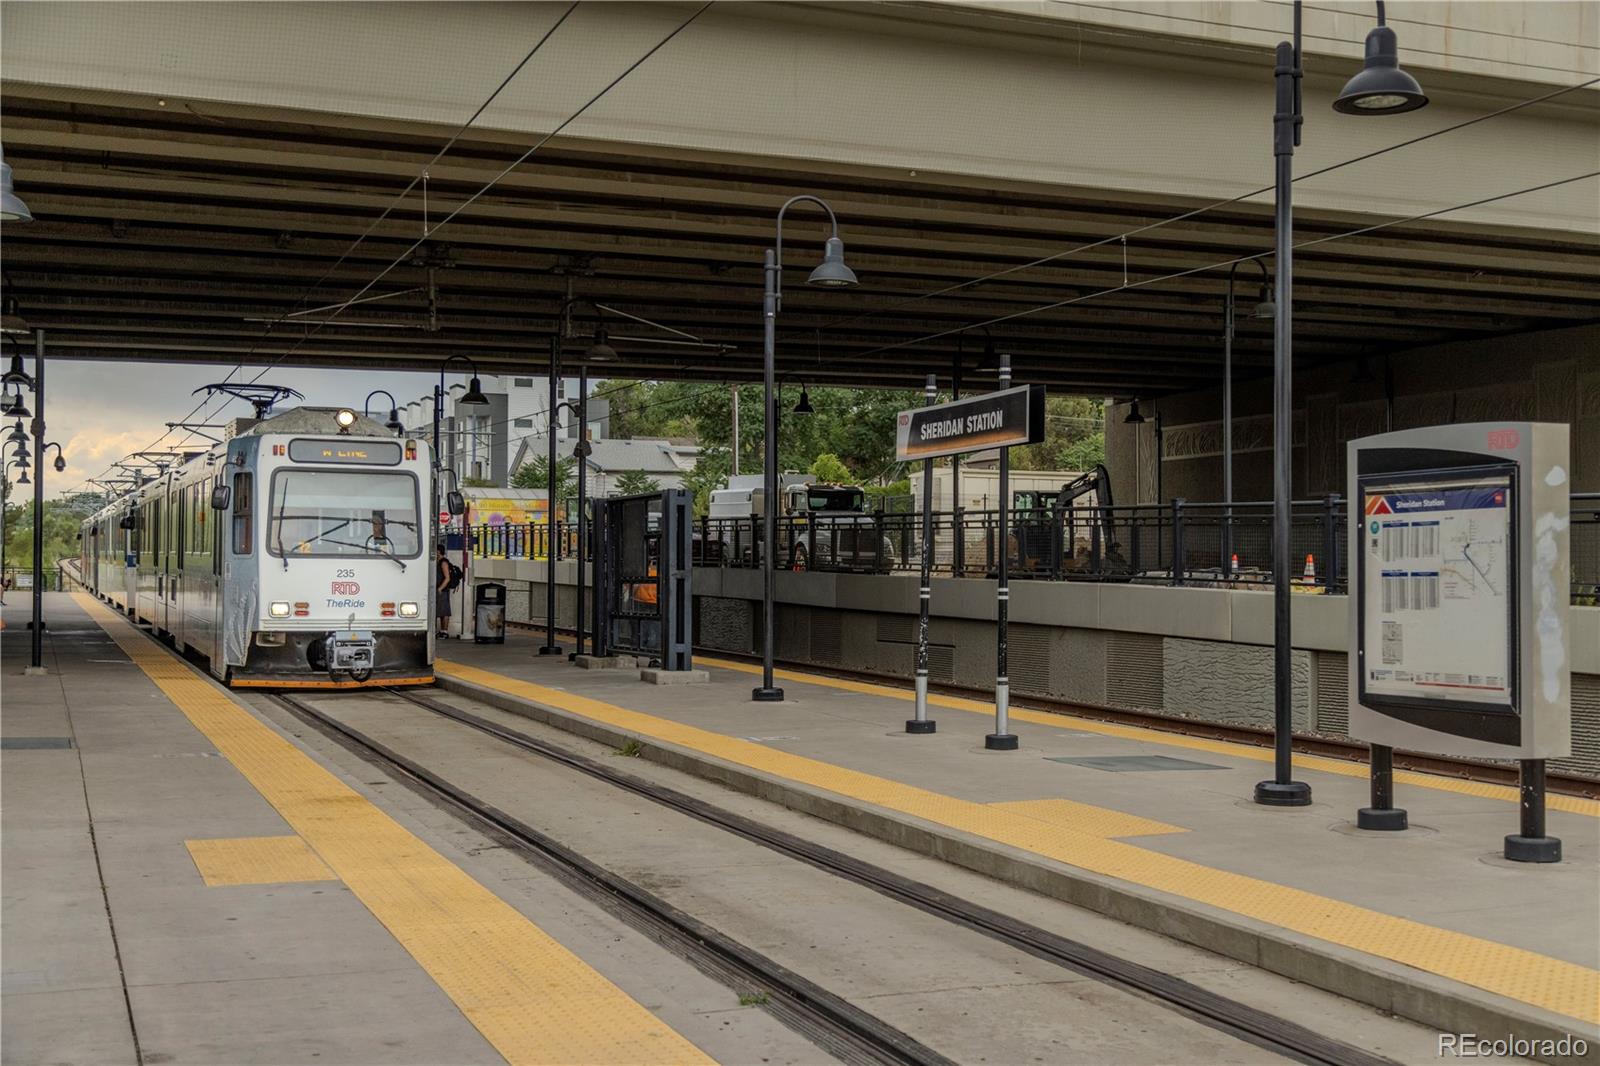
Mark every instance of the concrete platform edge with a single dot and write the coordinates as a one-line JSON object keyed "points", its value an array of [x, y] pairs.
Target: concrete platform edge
{"points": [[1447, 1005]]}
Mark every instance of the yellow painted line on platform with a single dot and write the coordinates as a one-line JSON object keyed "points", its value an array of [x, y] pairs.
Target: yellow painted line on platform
{"points": [[1086, 818], [1516, 973], [534, 1000], [1481, 789], [256, 861]]}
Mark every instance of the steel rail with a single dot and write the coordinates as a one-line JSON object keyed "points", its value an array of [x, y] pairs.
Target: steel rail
{"points": [[830, 1022], [1240, 1020]]}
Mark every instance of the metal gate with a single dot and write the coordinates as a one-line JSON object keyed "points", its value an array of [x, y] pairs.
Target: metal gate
{"points": [[643, 562]]}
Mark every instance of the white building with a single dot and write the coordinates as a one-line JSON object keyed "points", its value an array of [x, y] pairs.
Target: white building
{"points": [[483, 441], [665, 461]]}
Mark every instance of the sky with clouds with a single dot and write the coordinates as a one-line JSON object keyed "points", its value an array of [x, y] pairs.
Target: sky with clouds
{"points": [[101, 411]]}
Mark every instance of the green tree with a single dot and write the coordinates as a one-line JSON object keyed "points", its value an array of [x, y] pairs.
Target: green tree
{"points": [[636, 483], [61, 526], [895, 497], [1074, 439], [477, 483], [856, 425], [535, 474], [709, 474], [830, 469]]}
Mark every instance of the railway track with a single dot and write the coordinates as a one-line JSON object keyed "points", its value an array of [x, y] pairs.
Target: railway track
{"points": [[1255, 736], [829, 1021], [845, 1031]]}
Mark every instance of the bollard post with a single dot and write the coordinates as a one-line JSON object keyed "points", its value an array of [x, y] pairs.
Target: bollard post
{"points": [[1002, 739], [920, 723], [1383, 815], [1531, 845]]}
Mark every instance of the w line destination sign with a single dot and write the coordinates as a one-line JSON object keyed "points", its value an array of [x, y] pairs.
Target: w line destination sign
{"points": [[1001, 419]]}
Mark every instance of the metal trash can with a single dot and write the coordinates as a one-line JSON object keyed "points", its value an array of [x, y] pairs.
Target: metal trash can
{"points": [[490, 601]]}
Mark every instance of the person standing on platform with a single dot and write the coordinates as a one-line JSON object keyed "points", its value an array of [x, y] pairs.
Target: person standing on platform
{"points": [[443, 581]]}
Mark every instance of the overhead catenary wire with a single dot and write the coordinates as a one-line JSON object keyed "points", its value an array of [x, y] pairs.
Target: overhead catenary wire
{"points": [[1216, 205], [465, 204], [898, 304], [492, 182], [398, 198], [1219, 265]]}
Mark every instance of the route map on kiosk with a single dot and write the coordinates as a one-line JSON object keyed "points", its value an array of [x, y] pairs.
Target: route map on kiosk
{"points": [[1437, 571]]}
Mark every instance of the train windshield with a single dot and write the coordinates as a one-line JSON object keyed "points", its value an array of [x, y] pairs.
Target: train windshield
{"points": [[336, 512]]}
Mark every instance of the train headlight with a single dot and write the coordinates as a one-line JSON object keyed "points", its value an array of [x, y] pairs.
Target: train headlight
{"points": [[408, 610], [346, 418], [278, 609]]}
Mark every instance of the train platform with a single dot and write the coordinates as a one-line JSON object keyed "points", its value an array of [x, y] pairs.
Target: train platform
{"points": [[1154, 829], [189, 881]]}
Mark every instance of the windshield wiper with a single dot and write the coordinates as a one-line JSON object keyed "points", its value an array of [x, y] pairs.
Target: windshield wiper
{"points": [[279, 531], [368, 550]]}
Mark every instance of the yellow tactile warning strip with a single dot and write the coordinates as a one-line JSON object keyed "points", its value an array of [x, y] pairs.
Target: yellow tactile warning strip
{"points": [[1086, 818], [1483, 789], [534, 1000], [256, 861], [1528, 977]]}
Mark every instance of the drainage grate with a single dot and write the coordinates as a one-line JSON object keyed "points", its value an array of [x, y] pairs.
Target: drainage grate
{"points": [[19, 743], [1121, 764]]}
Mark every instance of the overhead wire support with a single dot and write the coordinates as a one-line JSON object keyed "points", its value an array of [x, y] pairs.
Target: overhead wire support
{"points": [[1220, 265], [513, 165], [1215, 205], [398, 199]]}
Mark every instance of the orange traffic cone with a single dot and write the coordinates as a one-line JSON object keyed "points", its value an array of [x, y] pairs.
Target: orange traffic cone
{"points": [[1310, 575], [1233, 564]]}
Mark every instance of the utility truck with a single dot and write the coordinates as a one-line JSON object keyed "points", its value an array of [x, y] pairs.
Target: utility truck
{"points": [[821, 525]]}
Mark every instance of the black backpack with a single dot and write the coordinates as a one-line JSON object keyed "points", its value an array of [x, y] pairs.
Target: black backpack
{"points": [[455, 576]]}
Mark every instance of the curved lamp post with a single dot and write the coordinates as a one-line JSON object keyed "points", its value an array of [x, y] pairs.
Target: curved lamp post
{"points": [[832, 272], [473, 396], [1381, 88], [61, 460], [599, 351], [394, 410]]}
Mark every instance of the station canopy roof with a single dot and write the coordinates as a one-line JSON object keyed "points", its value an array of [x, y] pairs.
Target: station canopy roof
{"points": [[178, 237]]}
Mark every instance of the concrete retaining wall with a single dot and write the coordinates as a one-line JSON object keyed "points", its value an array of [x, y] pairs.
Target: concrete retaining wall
{"points": [[1202, 653]]}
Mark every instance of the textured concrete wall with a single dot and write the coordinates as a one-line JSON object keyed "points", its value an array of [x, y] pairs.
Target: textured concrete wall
{"points": [[1230, 683], [1199, 653]]}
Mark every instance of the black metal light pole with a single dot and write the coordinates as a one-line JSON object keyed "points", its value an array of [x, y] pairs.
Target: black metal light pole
{"points": [[1381, 88], [1264, 309], [550, 647], [36, 659], [600, 351], [1002, 739], [833, 273], [920, 722], [580, 452]]}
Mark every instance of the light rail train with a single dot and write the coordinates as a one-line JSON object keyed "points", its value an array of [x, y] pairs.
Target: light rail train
{"points": [[296, 554]]}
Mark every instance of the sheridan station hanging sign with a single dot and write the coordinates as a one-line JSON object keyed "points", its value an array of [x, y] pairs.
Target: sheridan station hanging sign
{"points": [[994, 420]]}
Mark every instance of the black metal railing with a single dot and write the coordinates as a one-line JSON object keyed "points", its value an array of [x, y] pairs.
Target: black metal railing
{"points": [[1177, 543], [1585, 549]]}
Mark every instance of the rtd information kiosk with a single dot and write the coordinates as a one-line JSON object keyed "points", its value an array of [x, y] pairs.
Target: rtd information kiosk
{"points": [[1458, 612]]}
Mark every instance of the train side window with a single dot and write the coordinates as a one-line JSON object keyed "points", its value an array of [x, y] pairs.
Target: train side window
{"points": [[243, 514]]}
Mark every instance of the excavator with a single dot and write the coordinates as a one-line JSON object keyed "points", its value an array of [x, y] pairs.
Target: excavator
{"points": [[1047, 528]]}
